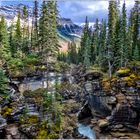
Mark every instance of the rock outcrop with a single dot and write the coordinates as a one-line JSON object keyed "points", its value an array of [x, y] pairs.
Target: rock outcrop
{"points": [[114, 103]]}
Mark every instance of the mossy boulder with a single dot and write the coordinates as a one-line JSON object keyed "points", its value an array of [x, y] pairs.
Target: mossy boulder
{"points": [[42, 134], [6, 111], [122, 72], [29, 119]]}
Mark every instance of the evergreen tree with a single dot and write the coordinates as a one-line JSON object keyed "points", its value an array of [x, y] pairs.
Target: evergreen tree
{"points": [[87, 58], [72, 53], [136, 24], [112, 22], [18, 34], [102, 45], [25, 34], [96, 39], [129, 37], [3, 33], [11, 40], [35, 30], [84, 39], [124, 47], [48, 32], [136, 54], [5, 54]]}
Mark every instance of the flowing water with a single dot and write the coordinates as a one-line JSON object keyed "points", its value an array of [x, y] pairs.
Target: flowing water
{"points": [[86, 131]]}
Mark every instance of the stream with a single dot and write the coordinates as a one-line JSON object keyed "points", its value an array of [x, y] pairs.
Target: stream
{"points": [[86, 131], [34, 84]]}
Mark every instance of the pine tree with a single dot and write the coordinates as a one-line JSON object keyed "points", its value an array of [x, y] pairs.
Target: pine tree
{"points": [[136, 24], [72, 53], [124, 47], [136, 54], [129, 37], [84, 38], [112, 22], [3, 33], [48, 29], [18, 34], [35, 30], [5, 54], [25, 34], [102, 44], [87, 56], [84, 53], [96, 39], [11, 40]]}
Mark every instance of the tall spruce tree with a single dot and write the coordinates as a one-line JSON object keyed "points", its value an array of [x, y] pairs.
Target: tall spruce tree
{"points": [[84, 39], [25, 34], [18, 34], [72, 53], [112, 21], [5, 54], [84, 52], [136, 24], [96, 39], [102, 44], [124, 47], [35, 30], [48, 29]]}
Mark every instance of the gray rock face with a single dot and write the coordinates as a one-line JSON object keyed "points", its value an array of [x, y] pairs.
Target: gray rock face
{"points": [[123, 114], [98, 106], [3, 124]]}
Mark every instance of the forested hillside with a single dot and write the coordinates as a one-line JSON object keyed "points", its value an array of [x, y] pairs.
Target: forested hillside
{"points": [[88, 91]]}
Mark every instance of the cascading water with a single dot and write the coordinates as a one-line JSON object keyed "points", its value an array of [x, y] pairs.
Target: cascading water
{"points": [[86, 131]]}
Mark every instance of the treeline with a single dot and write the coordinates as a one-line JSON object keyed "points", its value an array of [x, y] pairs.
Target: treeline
{"points": [[23, 38], [112, 44]]}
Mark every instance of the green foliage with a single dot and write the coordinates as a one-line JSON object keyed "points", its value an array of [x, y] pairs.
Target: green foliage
{"points": [[31, 59], [72, 53], [47, 32], [3, 84], [61, 66]]}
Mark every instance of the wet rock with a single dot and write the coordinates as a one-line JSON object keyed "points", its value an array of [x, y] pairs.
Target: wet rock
{"points": [[112, 100], [3, 123], [78, 72], [92, 76], [85, 112], [98, 106], [88, 87], [121, 98], [103, 123], [76, 134], [12, 132], [124, 114], [29, 130]]}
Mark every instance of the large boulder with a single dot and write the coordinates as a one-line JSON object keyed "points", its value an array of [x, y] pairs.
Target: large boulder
{"points": [[123, 72], [89, 76], [123, 114], [98, 106], [3, 124]]}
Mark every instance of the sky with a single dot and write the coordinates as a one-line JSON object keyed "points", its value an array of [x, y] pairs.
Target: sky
{"points": [[77, 10]]}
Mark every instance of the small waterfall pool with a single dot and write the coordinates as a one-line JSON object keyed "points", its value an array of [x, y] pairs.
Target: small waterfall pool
{"points": [[86, 131]]}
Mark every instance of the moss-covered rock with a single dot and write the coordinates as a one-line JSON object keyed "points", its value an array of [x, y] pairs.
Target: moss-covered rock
{"points": [[122, 72], [6, 111], [42, 134]]}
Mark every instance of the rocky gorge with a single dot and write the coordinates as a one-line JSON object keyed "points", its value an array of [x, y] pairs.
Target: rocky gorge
{"points": [[87, 101]]}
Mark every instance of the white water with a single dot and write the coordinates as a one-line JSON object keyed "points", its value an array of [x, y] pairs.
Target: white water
{"points": [[86, 131]]}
